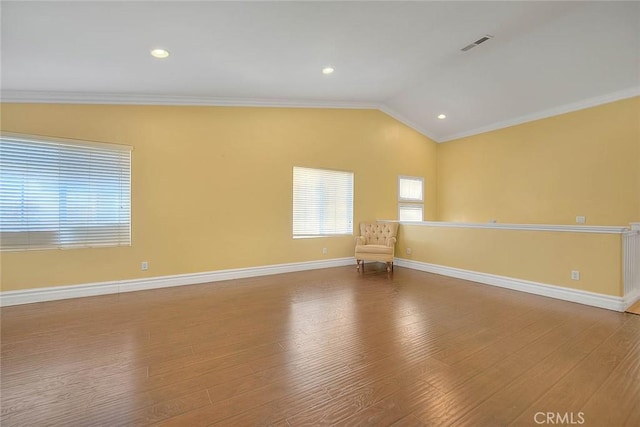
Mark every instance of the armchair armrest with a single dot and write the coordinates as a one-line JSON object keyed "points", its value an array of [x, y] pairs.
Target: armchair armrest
{"points": [[361, 240], [391, 241]]}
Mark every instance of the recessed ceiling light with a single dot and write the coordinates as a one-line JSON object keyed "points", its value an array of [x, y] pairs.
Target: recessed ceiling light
{"points": [[328, 70], [442, 116], [159, 53]]}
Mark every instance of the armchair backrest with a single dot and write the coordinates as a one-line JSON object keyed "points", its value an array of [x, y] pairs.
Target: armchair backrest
{"points": [[377, 233]]}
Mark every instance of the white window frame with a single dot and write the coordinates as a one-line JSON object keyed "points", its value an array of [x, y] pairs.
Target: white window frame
{"points": [[60, 193], [412, 203], [306, 206]]}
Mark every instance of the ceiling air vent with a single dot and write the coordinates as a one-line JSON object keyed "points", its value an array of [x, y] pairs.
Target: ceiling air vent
{"points": [[477, 42]]}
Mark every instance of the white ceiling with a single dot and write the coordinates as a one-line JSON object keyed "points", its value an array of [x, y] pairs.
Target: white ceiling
{"points": [[401, 57]]}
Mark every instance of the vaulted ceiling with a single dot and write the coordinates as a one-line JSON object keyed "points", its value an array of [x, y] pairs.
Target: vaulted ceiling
{"points": [[404, 58]]}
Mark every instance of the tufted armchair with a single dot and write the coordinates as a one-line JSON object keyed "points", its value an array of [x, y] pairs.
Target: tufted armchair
{"points": [[376, 243]]}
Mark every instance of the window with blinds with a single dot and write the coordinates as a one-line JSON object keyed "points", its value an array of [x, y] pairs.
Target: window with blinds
{"points": [[322, 202], [410, 198], [57, 193]]}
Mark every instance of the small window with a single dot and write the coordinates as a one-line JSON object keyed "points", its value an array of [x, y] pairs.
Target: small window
{"points": [[410, 189], [410, 212], [322, 202], [57, 193], [410, 198]]}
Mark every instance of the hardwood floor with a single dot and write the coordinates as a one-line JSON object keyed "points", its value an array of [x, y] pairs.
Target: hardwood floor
{"points": [[320, 347], [635, 308]]}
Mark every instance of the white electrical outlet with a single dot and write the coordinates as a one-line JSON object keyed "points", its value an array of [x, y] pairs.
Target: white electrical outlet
{"points": [[581, 219], [409, 251], [575, 275], [144, 265]]}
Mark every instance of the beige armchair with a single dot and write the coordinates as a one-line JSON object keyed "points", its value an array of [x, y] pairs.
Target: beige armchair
{"points": [[376, 243]]}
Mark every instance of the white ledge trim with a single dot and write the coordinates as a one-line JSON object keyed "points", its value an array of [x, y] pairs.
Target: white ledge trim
{"points": [[609, 302], [28, 296], [529, 227]]}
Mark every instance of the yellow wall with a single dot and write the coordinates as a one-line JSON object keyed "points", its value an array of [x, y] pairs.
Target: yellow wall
{"points": [[212, 185], [538, 256], [212, 189], [547, 171]]}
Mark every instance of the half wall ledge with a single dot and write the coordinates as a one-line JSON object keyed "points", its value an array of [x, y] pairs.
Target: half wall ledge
{"points": [[568, 262]]}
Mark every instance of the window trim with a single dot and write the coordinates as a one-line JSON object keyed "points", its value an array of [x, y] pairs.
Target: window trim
{"points": [[71, 142], [67, 141], [313, 236], [405, 202], [413, 178], [405, 205]]}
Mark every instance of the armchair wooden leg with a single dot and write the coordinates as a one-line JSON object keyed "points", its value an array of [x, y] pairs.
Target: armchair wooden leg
{"points": [[358, 264], [389, 267]]}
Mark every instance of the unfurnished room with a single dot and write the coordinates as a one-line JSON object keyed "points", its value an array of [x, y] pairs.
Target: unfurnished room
{"points": [[304, 213]]}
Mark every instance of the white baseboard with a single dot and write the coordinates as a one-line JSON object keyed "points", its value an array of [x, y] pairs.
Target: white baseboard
{"points": [[574, 295], [631, 298], [27, 296]]}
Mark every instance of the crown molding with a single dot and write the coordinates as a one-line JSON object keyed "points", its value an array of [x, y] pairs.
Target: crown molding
{"points": [[555, 111], [53, 97], [402, 119]]}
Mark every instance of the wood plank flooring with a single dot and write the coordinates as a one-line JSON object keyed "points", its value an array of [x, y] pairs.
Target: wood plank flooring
{"points": [[324, 347], [635, 308]]}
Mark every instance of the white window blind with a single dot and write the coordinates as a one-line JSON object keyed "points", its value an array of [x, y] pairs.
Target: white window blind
{"points": [[410, 212], [410, 191], [58, 193], [410, 188], [322, 202]]}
